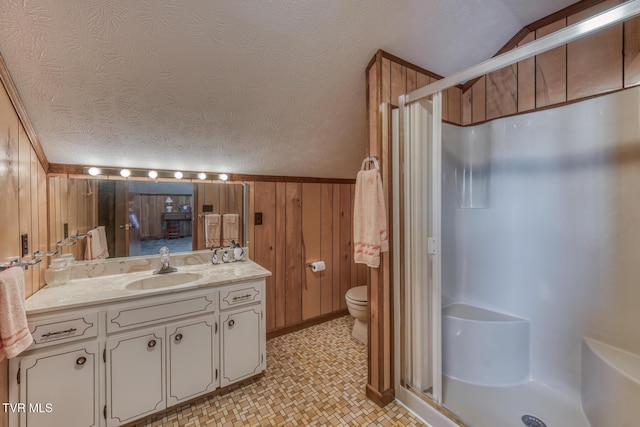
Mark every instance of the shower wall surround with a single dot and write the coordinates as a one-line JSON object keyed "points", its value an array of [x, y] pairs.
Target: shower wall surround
{"points": [[558, 244]]}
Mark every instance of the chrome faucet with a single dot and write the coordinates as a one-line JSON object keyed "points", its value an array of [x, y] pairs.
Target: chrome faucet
{"points": [[164, 259]]}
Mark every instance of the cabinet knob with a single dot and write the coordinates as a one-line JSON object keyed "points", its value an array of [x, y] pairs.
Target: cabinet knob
{"points": [[151, 344], [178, 337], [81, 360], [231, 323]]}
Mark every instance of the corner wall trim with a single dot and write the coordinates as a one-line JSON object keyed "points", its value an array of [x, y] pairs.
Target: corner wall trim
{"points": [[381, 399]]}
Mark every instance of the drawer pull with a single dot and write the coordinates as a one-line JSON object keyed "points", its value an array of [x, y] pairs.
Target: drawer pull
{"points": [[231, 323], [178, 337], [81, 361], [151, 344], [66, 331], [241, 297]]}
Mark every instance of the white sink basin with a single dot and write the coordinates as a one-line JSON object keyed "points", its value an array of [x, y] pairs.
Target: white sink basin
{"points": [[163, 281]]}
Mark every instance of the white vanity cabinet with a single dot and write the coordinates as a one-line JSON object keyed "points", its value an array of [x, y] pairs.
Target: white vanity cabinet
{"points": [[165, 360], [57, 382], [60, 387], [135, 376], [192, 359], [114, 363], [243, 332]]}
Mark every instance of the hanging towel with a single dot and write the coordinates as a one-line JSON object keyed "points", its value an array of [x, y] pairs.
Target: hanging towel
{"points": [[96, 245], [369, 219], [212, 230], [15, 336], [230, 229]]}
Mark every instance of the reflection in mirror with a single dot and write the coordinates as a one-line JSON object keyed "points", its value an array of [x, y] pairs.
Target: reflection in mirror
{"points": [[139, 217]]}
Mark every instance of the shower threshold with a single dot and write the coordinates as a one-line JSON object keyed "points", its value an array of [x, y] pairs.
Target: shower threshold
{"points": [[504, 406]]}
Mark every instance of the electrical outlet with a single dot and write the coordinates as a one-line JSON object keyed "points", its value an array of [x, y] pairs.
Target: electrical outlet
{"points": [[66, 230], [25, 244], [258, 218]]}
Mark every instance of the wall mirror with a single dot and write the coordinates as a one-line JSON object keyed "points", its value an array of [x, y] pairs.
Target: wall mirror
{"points": [[139, 217]]}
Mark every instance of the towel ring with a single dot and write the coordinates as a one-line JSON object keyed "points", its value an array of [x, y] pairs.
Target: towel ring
{"points": [[372, 159]]}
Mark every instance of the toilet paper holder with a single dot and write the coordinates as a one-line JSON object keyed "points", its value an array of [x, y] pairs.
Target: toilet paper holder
{"points": [[317, 266]]}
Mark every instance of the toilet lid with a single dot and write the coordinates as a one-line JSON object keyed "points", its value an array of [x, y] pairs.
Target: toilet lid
{"points": [[359, 293]]}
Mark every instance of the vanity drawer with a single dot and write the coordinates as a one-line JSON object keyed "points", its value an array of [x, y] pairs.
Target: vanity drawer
{"points": [[235, 296], [135, 316], [62, 330]]}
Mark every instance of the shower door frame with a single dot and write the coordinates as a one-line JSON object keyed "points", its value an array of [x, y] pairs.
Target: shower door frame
{"points": [[430, 409]]}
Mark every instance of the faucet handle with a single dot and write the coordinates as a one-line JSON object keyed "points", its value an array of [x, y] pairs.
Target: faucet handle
{"points": [[164, 250]]}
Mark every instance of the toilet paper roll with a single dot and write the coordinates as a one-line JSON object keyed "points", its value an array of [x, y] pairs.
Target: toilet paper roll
{"points": [[318, 266]]}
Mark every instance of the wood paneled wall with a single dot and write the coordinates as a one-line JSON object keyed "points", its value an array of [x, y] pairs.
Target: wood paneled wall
{"points": [[389, 77], [601, 63], [23, 210], [23, 191], [302, 223]]}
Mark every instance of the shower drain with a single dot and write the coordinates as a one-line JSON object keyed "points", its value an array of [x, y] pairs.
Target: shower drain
{"points": [[531, 421]]}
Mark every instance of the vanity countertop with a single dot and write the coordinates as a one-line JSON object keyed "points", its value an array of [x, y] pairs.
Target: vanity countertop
{"points": [[86, 292]]}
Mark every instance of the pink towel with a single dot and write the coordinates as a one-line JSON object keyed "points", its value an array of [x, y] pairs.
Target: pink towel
{"points": [[229, 229], [212, 230], [369, 219], [15, 336]]}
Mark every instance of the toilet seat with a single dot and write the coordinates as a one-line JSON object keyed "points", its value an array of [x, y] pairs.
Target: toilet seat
{"points": [[357, 295]]}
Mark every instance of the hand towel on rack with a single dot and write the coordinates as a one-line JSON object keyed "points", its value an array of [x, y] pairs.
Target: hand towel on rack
{"points": [[369, 219], [229, 229], [96, 245], [212, 230], [15, 336]]}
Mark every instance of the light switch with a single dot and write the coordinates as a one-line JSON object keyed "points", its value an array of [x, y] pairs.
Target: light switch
{"points": [[25, 244]]}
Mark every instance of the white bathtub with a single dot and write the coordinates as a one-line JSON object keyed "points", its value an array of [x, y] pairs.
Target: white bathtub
{"points": [[484, 347], [610, 385]]}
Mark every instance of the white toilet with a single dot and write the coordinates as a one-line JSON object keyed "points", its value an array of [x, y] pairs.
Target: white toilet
{"points": [[357, 305]]}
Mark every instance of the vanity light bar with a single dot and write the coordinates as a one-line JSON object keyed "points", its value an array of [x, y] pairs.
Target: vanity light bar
{"points": [[153, 174]]}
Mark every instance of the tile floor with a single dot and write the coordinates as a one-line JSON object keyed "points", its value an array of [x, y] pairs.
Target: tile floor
{"points": [[315, 377]]}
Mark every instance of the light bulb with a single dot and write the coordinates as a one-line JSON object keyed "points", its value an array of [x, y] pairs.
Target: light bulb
{"points": [[178, 175], [224, 176], [94, 171], [153, 174], [202, 176], [125, 173]]}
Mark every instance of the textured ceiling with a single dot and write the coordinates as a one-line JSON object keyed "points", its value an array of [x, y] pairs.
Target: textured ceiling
{"points": [[257, 87]]}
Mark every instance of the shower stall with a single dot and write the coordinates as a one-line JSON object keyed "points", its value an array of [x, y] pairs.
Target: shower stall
{"points": [[516, 245]]}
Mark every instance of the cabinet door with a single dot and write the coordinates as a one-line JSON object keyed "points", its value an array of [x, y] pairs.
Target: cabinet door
{"points": [[192, 362], [241, 344], [135, 376], [60, 388]]}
